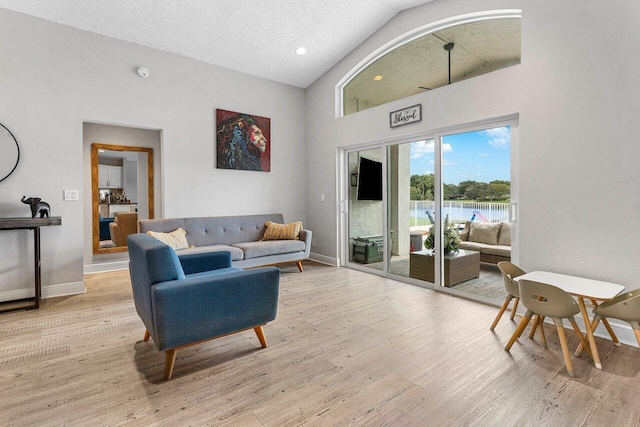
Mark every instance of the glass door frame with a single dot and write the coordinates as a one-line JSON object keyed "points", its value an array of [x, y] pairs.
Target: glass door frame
{"points": [[436, 135]]}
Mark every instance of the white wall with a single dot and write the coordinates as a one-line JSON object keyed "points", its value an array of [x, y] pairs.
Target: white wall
{"points": [[53, 78], [577, 94]]}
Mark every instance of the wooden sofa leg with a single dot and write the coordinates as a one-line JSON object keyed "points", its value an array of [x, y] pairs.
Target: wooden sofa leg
{"points": [[299, 264], [260, 333], [146, 335], [169, 361]]}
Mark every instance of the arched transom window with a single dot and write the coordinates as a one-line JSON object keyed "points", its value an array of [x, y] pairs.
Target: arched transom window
{"points": [[437, 58]]}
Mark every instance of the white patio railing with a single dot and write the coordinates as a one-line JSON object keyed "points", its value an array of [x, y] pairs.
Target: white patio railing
{"points": [[459, 211]]}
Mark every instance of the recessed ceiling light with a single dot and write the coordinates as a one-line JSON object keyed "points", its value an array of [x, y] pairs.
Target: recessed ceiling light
{"points": [[377, 78], [301, 51], [100, 150]]}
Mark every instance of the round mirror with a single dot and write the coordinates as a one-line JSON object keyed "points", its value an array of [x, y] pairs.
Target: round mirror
{"points": [[9, 153]]}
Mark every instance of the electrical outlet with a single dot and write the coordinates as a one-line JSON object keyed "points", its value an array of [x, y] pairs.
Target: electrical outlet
{"points": [[322, 198], [71, 195], [313, 242]]}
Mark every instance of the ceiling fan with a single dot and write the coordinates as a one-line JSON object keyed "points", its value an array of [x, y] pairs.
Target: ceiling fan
{"points": [[448, 47]]}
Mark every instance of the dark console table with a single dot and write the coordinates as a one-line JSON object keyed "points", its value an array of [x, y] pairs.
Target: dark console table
{"points": [[30, 224]]}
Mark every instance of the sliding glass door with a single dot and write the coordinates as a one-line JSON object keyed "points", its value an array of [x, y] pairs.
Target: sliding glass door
{"points": [[366, 211], [418, 209]]}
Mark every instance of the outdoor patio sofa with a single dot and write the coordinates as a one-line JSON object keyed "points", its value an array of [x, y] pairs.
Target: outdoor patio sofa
{"points": [[491, 239], [240, 235]]}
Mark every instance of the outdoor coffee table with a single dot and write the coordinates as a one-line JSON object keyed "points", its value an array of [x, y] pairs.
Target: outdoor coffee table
{"points": [[458, 266]]}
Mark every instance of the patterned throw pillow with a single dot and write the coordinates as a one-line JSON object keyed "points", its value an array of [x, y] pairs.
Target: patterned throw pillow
{"points": [[177, 239], [277, 231]]}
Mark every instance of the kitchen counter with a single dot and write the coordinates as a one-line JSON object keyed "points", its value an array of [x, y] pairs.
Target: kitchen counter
{"points": [[108, 210]]}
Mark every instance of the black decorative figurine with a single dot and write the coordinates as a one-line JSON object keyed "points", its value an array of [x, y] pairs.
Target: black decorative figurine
{"points": [[37, 206]]}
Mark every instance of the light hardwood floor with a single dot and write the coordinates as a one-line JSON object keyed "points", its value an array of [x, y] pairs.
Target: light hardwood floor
{"points": [[347, 348]]}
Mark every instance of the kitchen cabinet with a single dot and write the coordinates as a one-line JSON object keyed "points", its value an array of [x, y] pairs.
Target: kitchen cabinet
{"points": [[109, 176]]}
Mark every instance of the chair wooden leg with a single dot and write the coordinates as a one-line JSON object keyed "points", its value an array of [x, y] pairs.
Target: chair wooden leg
{"points": [[514, 308], [521, 327], [543, 338], [534, 326], [581, 347], [606, 324], [146, 335], [565, 350], [637, 332], [260, 333], [501, 312], [299, 264], [583, 342], [612, 334], [169, 361]]}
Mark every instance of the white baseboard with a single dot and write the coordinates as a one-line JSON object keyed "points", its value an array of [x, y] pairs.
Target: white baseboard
{"points": [[623, 331], [323, 259], [60, 290], [105, 266]]}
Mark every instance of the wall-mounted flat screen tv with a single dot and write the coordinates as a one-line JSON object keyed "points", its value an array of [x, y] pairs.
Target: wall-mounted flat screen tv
{"points": [[369, 180]]}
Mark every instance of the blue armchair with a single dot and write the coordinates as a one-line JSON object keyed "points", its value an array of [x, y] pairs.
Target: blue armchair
{"points": [[185, 300]]}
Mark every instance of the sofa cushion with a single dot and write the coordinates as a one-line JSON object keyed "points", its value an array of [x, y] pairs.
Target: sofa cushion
{"points": [[176, 239], [499, 250], [486, 249], [473, 246], [484, 232], [212, 272], [277, 231], [236, 253], [505, 234], [271, 247]]}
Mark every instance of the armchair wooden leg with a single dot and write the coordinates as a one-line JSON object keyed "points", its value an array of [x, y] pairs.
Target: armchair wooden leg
{"points": [[501, 312], [260, 333], [146, 335], [169, 361], [637, 332], [514, 308], [299, 264]]}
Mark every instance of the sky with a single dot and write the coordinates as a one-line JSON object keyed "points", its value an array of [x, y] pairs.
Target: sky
{"points": [[482, 156]]}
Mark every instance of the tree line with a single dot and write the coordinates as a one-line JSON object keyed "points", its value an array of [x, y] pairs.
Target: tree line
{"points": [[422, 189]]}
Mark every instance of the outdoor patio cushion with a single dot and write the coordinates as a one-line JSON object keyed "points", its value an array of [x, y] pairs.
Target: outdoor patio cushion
{"points": [[505, 234], [499, 250], [484, 248], [484, 232]]}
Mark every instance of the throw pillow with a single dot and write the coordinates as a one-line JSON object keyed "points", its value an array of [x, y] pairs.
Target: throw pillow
{"points": [[177, 239], [484, 232], [277, 231]]}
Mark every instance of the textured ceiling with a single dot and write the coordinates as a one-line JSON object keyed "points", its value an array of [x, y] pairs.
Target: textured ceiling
{"points": [[257, 37]]}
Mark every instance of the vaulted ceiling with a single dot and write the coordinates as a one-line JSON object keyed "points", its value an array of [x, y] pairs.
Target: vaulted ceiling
{"points": [[256, 37]]}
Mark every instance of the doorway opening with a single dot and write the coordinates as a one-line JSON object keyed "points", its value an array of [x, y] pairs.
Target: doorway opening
{"points": [[122, 170]]}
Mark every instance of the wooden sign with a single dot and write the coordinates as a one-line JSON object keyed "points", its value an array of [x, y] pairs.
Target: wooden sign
{"points": [[405, 116]]}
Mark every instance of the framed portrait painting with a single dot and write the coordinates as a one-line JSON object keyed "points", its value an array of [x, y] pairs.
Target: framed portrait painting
{"points": [[243, 141]]}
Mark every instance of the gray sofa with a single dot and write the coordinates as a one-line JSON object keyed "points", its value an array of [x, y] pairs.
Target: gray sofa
{"points": [[491, 239], [239, 235]]}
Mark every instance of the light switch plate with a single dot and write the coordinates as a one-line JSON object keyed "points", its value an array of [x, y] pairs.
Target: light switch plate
{"points": [[71, 195]]}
